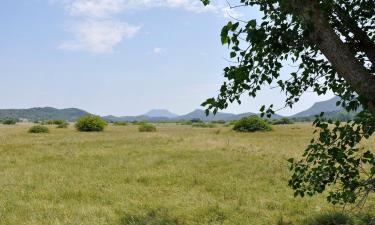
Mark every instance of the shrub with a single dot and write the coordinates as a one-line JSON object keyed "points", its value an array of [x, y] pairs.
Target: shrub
{"points": [[186, 122], [233, 122], [55, 122], [251, 124], [147, 128], [140, 123], [120, 123], [10, 121], [282, 121], [38, 129], [196, 120], [219, 121], [63, 125], [90, 123], [204, 125]]}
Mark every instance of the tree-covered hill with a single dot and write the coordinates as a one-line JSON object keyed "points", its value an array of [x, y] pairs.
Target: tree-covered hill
{"points": [[40, 114]]}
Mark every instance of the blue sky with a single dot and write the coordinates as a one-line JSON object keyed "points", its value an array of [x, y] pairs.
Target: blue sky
{"points": [[120, 57]]}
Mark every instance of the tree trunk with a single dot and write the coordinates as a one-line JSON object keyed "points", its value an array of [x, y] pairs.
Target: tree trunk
{"points": [[366, 44], [336, 51]]}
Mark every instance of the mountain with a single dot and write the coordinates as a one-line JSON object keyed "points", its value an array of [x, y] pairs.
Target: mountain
{"points": [[135, 118], [317, 108], [71, 114], [46, 113], [165, 115], [161, 113], [335, 115], [201, 114]]}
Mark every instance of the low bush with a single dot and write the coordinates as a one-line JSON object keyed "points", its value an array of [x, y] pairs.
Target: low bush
{"points": [[147, 128], [90, 123], [63, 125], [56, 122], [282, 121], [219, 121], [204, 125], [186, 123], [120, 123], [196, 120], [9, 121], [139, 123], [38, 129], [232, 122], [251, 124]]}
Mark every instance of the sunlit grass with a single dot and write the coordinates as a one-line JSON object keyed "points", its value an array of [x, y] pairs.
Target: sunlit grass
{"points": [[177, 175]]}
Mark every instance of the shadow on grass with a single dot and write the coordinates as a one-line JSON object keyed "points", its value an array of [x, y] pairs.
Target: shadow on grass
{"points": [[335, 219], [152, 217]]}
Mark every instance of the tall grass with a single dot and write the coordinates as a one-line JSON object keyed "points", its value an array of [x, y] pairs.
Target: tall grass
{"points": [[178, 175]]}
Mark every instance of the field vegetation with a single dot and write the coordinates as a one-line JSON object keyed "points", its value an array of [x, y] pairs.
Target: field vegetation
{"points": [[179, 175]]}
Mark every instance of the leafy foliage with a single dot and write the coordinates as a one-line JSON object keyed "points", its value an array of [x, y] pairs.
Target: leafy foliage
{"points": [[204, 125], [9, 121], [90, 123], [38, 129], [196, 120], [147, 128], [251, 124], [282, 121], [63, 125], [219, 121], [331, 45], [139, 123], [54, 122], [120, 123], [334, 159]]}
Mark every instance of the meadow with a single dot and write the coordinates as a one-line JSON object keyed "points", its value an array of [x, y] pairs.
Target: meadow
{"points": [[179, 175]]}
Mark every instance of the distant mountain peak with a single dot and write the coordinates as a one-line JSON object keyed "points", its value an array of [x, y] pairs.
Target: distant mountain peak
{"points": [[318, 107], [160, 113]]}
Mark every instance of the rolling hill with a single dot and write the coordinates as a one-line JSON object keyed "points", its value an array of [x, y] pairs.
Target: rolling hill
{"points": [[71, 114], [39, 114], [317, 108]]}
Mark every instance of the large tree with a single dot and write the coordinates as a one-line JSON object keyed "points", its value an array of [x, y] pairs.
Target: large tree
{"points": [[332, 46]]}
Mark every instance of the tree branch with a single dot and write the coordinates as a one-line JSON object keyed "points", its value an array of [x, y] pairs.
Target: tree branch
{"points": [[339, 55]]}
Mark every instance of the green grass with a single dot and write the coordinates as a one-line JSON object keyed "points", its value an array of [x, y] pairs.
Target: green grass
{"points": [[178, 175]]}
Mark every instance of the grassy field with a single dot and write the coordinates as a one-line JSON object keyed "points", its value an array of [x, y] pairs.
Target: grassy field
{"points": [[176, 176]]}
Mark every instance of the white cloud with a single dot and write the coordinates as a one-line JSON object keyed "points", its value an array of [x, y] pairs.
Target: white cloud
{"points": [[95, 8], [105, 8], [158, 50], [98, 36], [96, 28]]}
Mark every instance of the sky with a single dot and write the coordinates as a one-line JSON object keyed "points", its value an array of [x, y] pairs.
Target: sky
{"points": [[119, 57]]}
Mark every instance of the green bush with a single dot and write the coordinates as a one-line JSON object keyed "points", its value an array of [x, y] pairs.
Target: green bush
{"points": [[219, 121], [10, 121], [147, 128], [120, 123], [204, 125], [232, 122], [196, 120], [90, 123], [140, 123], [282, 121], [38, 129], [55, 122], [186, 122], [63, 125], [251, 124]]}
